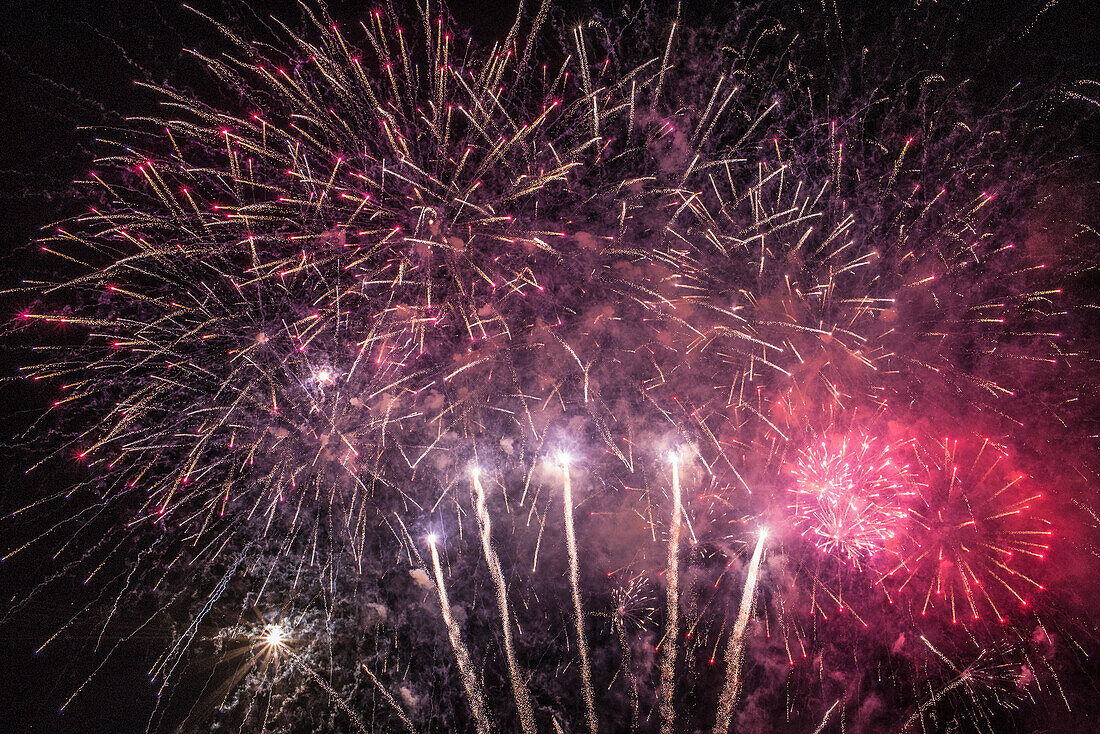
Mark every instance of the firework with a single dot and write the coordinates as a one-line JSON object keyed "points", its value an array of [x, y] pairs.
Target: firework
{"points": [[462, 654], [735, 646], [299, 316], [575, 586], [825, 719], [519, 688], [851, 495], [672, 579], [390, 700], [988, 682], [633, 608], [274, 638], [972, 524]]}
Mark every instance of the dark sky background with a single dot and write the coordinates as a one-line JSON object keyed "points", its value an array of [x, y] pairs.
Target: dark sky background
{"points": [[70, 64]]}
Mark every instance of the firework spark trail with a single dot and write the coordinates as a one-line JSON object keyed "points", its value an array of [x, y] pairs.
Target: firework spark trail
{"points": [[932, 701], [390, 700], [309, 671], [734, 649], [519, 687], [828, 713], [991, 677], [578, 610], [627, 672], [672, 579], [462, 654], [825, 719]]}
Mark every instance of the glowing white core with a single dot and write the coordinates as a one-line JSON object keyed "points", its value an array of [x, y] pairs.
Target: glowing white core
{"points": [[275, 636]]}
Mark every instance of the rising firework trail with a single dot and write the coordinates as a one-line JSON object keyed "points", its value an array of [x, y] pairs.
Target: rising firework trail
{"points": [[462, 654], [626, 669], [575, 587], [388, 697], [735, 646], [825, 718], [519, 687], [672, 625]]}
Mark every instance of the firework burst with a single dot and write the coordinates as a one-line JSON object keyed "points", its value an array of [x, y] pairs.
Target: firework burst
{"points": [[972, 524], [515, 328], [851, 495]]}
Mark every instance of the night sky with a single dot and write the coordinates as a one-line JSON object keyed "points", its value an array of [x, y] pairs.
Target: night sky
{"points": [[71, 65]]}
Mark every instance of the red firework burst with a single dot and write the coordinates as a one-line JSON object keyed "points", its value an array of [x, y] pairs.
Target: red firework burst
{"points": [[970, 524]]}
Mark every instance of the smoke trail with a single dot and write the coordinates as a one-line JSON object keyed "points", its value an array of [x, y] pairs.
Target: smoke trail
{"points": [[462, 655], [737, 637], [578, 612], [519, 687], [672, 577]]}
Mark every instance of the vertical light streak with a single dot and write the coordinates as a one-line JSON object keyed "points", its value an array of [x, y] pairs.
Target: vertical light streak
{"points": [[519, 687], [578, 611], [672, 579], [462, 655], [734, 649], [628, 674]]}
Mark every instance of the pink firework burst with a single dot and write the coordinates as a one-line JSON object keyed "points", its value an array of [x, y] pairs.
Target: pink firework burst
{"points": [[852, 494]]}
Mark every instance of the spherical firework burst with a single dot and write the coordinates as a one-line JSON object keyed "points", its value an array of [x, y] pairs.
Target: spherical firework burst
{"points": [[851, 495], [287, 292], [972, 524]]}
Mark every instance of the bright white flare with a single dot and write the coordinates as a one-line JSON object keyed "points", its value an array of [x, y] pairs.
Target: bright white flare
{"points": [[275, 636]]}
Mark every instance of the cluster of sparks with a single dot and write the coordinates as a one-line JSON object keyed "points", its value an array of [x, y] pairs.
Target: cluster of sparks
{"points": [[301, 318], [970, 523], [852, 498]]}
